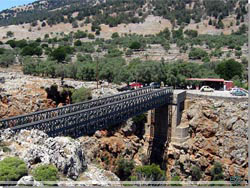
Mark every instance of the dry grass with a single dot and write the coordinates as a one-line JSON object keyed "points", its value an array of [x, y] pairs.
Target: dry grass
{"points": [[152, 25]]}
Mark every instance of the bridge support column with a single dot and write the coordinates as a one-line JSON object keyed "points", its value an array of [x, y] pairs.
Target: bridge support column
{"points": [[160, 134]]}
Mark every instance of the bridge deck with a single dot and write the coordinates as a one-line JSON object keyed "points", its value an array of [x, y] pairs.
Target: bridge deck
{"points": [[87, 121], [47, 114]]}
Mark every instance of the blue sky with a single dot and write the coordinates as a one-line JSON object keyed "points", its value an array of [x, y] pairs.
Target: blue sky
{"points": [[5, 4]]}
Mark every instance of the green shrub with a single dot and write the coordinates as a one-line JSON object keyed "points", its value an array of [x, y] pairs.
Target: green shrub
{"points": [[135, 45], [151, 172], [91, 36], [78, 43], [115, 35], [45, 173], [176, 179], [197, 53], [217, 172], [124, 169], [12, 169], [196, 173], [81, 94]]}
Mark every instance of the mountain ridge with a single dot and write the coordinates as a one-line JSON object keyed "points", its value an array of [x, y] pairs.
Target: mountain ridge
{"points": [[115, 12]]}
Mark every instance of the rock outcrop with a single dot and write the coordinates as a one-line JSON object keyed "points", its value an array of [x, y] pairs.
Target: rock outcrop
{"points": [[35, 147], [28, 181], [218, 132], [106, 148]]}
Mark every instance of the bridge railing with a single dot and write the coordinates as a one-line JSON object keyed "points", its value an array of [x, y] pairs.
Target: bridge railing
{"points": [[87, 121], [50, 113]]}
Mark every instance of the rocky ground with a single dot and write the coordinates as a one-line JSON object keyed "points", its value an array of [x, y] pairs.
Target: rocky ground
{"points": [[218, 132], [106, 148], [20, 94], [36, 148]]}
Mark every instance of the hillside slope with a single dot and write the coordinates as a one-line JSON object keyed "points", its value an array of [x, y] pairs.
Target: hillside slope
{"points": [[123, 16]]}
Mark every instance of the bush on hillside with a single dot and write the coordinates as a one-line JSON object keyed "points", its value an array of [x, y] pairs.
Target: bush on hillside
{"points": [[81, 94], [196, 173], [45, 173], [217, 172], [124, 169], [12, 169], [151, 172], [197, 53], [176, 179]]}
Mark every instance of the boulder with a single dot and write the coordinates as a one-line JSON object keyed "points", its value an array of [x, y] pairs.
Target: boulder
{"points": [[219, 104], [239, 156], [98, 134], [90, 146], [99, 177], [28, 181], [230, 122], [209, 129], [240, 128], [243, 105], [6, 134], [129, 128], [193, 111]]}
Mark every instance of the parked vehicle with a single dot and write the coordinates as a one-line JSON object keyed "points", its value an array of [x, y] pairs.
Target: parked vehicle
{"points": [[234, 89], [136, 85], [244, 90], [206, 89], [239, 93], [125, 88], [155, 85]]}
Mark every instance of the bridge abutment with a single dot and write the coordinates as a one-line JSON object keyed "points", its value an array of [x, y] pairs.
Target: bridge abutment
{"points": [[179, 132]]}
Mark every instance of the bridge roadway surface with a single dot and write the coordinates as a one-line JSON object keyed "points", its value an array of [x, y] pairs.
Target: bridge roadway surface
{"points": [[86, 117]]}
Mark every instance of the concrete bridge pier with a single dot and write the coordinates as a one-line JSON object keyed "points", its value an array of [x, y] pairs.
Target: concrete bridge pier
{"points": [[159, 136], [162, 128]]}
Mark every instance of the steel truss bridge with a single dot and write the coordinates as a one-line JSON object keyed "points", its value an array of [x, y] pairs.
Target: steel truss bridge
{"points": [[86, 117]]}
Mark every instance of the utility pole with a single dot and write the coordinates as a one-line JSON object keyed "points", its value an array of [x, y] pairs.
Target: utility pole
{"points": [[97, 76]]}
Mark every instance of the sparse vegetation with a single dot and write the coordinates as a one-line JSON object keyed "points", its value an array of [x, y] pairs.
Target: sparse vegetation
{"points": [[196, 173], [217, 172], [9, 34], [81, 94], [176, 179]]}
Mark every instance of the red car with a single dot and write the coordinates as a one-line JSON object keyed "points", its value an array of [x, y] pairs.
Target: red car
{"points": [[136, 85]]}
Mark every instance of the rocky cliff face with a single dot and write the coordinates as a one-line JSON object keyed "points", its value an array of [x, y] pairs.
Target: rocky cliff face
{"points": [[106, 148], [218, 132], [35, 148]]}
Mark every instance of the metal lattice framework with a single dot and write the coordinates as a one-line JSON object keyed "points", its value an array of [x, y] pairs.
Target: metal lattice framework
{"points": [[102, 116], [46, 114]]}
